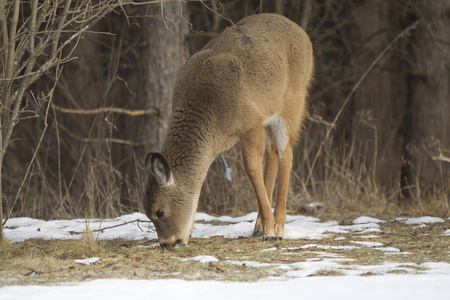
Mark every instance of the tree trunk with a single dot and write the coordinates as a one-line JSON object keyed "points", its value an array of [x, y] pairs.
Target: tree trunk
{"points": [[1, 178], [163, 53], [427, 141], [379, 103]]}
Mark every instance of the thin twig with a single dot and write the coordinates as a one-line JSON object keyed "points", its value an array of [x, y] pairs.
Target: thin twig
{"points": [[216, 13], [441, 157], [115, 226], [99, 140]]}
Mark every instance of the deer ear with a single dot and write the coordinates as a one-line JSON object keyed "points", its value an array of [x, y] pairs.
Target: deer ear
{"points": [[156, 165]]}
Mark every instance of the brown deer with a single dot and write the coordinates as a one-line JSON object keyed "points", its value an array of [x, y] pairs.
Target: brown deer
{"points": [[249, 84]]}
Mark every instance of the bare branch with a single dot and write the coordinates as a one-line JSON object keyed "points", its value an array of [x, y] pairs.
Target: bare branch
{"points": [[4, 29], [12, 36], [133, 113], [61, 25], [11, 49]]}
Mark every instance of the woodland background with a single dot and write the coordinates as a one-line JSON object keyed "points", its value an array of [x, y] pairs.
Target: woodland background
{"points": [[98, 97]]}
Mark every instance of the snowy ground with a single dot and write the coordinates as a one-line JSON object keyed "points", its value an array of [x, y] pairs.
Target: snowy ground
{"points": [[411, 287], [425, 281]]}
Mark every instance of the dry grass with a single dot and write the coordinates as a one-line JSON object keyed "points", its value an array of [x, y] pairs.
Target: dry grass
{"points": [[50, 262]]}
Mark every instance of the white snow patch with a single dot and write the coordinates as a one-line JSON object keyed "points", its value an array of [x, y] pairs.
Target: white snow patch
{"points": [[226, 219], [149, 246], [21, 229], [309, 268], [248, 263], [232, 231], [369, 236], [436, 268], [370, 230], [88, 261], [201, 258], [268, 249], [426, 219], [388, 249], [368, 244], [362, 228], [327, 247], [315, 204], [310, 229], [313, 267]]}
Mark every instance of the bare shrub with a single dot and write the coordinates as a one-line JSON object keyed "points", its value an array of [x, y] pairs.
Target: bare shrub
{"points": [[38, 38]]}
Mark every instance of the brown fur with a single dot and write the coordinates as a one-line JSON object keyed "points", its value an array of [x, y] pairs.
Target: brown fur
{"points": [[249, 84]]}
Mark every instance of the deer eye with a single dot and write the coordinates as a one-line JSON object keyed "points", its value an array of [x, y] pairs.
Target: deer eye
{"points": [[160, 213]]}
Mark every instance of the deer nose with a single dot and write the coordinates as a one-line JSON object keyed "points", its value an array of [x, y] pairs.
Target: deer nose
{"points": [[166, 245]]}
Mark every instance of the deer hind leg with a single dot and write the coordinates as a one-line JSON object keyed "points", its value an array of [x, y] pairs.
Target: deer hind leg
{"points": [[284, 166], [252, 145], [270, 175], [283, 141]]}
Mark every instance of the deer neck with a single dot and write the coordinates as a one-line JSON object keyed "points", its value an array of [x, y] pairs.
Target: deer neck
{"points": [[189, 154]]}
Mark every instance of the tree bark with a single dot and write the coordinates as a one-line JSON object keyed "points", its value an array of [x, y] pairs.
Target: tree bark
{"points": [[427, 120], [379, 103], [1, 178], [163, 53]]}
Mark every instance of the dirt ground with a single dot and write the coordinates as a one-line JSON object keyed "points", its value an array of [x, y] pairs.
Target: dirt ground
{"points": [[242, 259]]}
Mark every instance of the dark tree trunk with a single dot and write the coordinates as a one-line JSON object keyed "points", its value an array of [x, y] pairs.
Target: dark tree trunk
{"points": [[379, 103], [164, 51], [427, 141]]}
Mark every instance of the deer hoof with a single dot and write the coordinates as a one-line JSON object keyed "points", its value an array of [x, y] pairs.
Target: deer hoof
{"points": [[270, 238], [257, 233]]}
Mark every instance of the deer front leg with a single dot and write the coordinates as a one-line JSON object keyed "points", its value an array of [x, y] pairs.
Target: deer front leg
{"points": [[252, 145], [270, 176]]}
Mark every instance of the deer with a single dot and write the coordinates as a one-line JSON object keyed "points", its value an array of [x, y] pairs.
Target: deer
{"points": [[248, 85]]}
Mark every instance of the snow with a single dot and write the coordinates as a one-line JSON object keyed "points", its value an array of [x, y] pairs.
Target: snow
{"points": [[425, 281], [88, 261], [247, 263], [227, 231], [369, 236], [421, 220], [388, 249], [315, 204], [366, 220], [201, 258], [367, 244], [408, 287], [137, 226], [21, 229], [436, 268], [327, 247]]}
